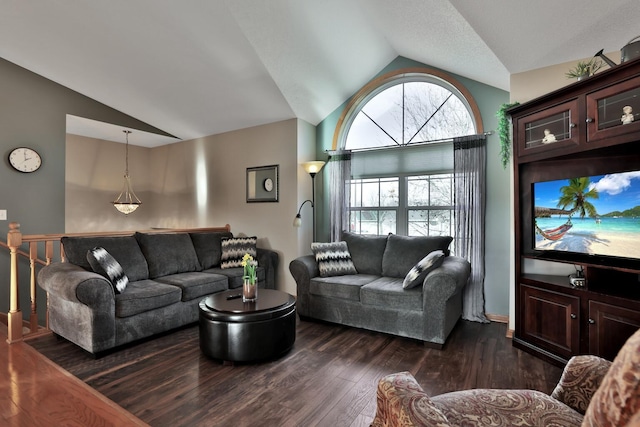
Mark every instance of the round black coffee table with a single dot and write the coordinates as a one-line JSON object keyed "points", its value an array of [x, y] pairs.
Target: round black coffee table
{"points": [[236, 331]]}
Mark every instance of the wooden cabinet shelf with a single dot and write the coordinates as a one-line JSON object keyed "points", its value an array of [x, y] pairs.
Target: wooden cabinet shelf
{"points": [[591, 137]]}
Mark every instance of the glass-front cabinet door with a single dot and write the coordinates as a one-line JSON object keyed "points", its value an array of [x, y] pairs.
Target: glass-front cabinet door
{"points": [[614, 111], [547, 130]]}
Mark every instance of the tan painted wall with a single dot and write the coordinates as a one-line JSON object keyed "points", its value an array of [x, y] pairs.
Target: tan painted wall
{"points": [[197, 183], [94, 174], [531, 84]]}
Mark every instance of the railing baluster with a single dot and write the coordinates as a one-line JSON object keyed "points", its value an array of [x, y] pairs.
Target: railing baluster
{"points": [[48, 256], [33, 256], [14, 240], [48, 251]]}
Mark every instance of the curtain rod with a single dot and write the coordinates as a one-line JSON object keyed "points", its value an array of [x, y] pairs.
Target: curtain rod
{"points": [[415, 144]]}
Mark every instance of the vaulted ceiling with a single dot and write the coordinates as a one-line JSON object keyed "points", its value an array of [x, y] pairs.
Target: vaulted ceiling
{"points": [[201, 67]]}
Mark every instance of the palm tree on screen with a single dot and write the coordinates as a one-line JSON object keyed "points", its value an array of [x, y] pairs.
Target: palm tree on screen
{"points": [[576, 195]]}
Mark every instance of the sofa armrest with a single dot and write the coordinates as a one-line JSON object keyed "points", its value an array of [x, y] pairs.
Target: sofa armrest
{"points": [[269, 260], [75, 284], [580, 380], [447, 280], [303, 269], [402, 402]]}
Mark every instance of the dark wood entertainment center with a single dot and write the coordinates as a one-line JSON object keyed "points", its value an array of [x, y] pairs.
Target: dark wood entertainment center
{"points": [[554, 319]]}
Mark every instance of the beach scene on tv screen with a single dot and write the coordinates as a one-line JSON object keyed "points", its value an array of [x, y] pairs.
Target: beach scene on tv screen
{"points": [[595, 215]]}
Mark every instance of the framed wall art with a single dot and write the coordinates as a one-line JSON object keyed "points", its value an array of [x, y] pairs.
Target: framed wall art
{"points": [[262, 184]]}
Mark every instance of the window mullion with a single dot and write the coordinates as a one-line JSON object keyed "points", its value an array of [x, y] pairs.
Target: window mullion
{"points": [[402, 214]]}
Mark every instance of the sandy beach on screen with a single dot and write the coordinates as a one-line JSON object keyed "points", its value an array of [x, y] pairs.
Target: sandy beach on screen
{"points": [[597, 242]]}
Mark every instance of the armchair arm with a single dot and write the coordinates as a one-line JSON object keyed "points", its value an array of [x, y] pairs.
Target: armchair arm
{"points": [[580, 380], [402, 402], [303, 269]]}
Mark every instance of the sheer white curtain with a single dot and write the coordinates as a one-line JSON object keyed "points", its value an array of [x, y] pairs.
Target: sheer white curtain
{"points": [[470, 159], [339, 166]]}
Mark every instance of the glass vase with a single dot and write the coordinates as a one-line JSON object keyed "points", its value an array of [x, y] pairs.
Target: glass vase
{"points": [[249, 291]]}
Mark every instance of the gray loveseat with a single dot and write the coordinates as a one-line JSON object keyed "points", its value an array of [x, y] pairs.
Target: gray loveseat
{"points": [[168, 273], [375, 299]]}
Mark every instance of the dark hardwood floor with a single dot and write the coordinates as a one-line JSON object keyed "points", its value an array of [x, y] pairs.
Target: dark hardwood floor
{"points": [[329, 378]]}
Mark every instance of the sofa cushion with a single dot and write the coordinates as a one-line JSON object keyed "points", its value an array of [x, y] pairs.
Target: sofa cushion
{"points": [[418, 272], [403, 252], [124, 249], [344, 287], [168, 253], [234, 248], [617, 400], [505, 408], [234, 275], [366, 252], [333, 258], [388, 292], [145, 295], [208, 247], [195, 284], [105, 265]]}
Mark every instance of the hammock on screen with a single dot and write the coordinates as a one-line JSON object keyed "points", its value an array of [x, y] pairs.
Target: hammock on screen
{"points": [[555, 233]]}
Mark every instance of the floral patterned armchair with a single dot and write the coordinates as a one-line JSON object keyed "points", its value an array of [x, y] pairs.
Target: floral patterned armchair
{"points": [[592, 392]]}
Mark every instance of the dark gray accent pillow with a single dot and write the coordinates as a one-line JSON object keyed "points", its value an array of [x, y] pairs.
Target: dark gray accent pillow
{"points": [[403, 252], [366, 252], [168, 253], [418, 272], [124, 249], [333, 259], [234, 248], [208, 246], [105, 265]]}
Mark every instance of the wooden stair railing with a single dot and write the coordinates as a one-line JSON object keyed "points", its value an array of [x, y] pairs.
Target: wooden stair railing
{"points": [[15, 240]]}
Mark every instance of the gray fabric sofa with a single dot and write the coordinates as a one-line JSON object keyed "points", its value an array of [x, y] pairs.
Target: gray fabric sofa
{"points": [[375, 299], [169, 274]]}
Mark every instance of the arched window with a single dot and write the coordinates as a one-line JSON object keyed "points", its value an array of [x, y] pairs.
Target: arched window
{"points": [[400, 128]]}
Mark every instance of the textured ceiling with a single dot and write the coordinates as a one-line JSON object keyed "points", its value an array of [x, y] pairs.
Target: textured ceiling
{"points": [[201, 67]]}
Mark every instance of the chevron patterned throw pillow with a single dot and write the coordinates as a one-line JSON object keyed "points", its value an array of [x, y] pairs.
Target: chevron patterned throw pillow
{"points": [[418, 272], [234, 248], [103, 263], [333, 259]]}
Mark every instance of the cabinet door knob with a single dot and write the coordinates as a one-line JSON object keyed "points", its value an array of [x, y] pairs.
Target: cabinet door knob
{"points": [[573, 316], [589, 120], [572, 125], [591, 321]]}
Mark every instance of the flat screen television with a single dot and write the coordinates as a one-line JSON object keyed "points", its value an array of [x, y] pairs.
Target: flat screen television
{"points": [[588, 218]]}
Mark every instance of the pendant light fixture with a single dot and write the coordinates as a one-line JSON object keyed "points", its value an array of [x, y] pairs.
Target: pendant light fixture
{"points": [[127, 201]]}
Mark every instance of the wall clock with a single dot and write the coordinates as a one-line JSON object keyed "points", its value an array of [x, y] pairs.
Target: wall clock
{"points": [[25, 159], [268, 184]]}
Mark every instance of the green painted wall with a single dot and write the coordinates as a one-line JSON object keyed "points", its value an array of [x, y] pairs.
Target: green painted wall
{"points": [[498, 231]]}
